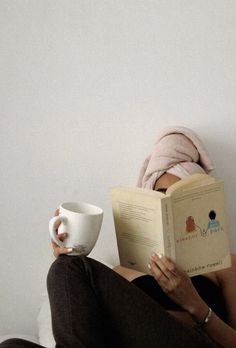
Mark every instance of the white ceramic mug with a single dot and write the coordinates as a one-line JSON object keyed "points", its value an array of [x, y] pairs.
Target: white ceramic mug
{"points": [[82, 223]]}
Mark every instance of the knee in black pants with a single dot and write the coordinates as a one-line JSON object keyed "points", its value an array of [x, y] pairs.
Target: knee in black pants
{"points": [[61, 266]]}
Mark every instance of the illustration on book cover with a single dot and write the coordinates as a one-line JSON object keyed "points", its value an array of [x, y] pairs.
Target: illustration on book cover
{"points": [[192, 228]]}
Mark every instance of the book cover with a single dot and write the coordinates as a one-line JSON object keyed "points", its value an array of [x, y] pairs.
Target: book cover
{"points": [[188, 224]]}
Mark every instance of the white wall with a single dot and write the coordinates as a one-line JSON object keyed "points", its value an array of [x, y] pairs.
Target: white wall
{"points": [[85, 87]]}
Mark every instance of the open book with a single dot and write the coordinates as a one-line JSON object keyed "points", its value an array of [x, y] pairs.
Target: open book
{"points": [[187, 224]]}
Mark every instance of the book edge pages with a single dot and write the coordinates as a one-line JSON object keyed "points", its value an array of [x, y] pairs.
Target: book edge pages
{"points": [[195, 180]]}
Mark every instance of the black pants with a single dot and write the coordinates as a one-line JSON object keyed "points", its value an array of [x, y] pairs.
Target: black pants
{"points": [[92, 306]]}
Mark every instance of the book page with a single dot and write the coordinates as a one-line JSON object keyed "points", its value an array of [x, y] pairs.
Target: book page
{"points": [[138, 225], [200, 227]]}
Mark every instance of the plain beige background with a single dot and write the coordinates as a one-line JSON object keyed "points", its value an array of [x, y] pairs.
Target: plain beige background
{"points": [[85, 87]]}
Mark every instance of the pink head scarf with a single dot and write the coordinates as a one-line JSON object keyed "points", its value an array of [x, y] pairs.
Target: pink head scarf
{"points": [[177, 151]]}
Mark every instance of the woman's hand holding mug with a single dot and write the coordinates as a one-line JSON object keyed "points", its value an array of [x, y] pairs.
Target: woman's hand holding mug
{"points": [[75, 228], [58, 250]]}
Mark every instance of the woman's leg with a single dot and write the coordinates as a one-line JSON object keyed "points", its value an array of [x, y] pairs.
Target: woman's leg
{"points": [[92, 306], [18, 343]]}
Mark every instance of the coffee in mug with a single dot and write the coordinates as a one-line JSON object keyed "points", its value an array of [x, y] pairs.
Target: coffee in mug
{"points": [[82, 223]]}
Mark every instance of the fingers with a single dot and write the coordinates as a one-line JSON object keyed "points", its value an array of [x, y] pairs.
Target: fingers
{"points": [[57, 250], [56, 212], [164, 271], [57, 224], [62, 236], [164, 265], [173, 281]]}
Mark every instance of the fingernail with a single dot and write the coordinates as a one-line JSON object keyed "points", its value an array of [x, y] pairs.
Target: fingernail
{"points": [[149, 266], [69, 250], [160, 255]]}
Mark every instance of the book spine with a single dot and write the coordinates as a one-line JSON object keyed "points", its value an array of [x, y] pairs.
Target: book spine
{"points": [[168, 228]]}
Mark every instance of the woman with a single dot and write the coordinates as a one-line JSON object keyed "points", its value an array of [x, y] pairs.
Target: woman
{"points": [[94, 306]]}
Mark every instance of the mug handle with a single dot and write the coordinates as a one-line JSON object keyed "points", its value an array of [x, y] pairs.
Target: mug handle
{"points": [[52, 229]]}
